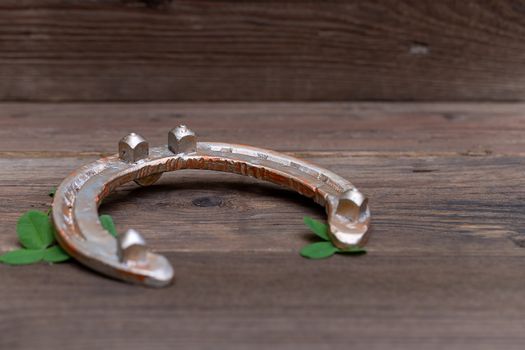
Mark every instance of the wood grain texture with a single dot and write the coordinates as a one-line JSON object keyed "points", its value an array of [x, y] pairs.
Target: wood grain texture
{"points": [[414, 202], [273, 50], [446, 263], [357, 129], [272, 301]]}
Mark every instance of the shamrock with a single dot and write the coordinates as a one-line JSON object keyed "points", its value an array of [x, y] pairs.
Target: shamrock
{"points": [[325, 249], [36, 235]]}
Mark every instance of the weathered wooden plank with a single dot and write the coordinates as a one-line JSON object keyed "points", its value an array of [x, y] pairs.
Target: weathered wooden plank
{"points": [[274, 300], [57, 50], [445, 263], [421, 205], [352, 128]]}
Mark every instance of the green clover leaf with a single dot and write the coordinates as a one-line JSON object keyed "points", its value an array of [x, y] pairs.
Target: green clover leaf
{"points": [[22, 257], [55, 254], [317, 227], [107, 222], [36, 234], [35, 230], [319, 250]]}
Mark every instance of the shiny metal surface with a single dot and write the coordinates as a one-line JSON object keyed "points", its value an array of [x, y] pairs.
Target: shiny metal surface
{"points": [[75, 206]]}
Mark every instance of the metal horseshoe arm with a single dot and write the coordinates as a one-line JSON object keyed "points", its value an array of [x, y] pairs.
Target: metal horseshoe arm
{"points": [[75, 207]]}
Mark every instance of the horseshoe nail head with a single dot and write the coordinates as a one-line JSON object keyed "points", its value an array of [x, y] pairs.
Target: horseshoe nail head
{"points": [[75, 205], [133, 148], [132, 248], [182, 140]]}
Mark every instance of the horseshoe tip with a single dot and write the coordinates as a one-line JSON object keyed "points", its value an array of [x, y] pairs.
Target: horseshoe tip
{"points": [[151, 269], [162, 275], [349, 219]]}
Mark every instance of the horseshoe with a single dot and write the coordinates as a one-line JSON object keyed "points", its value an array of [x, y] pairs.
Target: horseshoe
{"points": [[76, 201]]}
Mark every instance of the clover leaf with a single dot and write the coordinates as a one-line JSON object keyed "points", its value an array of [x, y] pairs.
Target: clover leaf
{"points": [[317, 227], [319, 250], [322, 250], [35, 230], [107, 222], [36, 235], [55, 254], [22, 256]]}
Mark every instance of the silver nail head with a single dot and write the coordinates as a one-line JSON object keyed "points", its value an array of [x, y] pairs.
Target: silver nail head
{"points": [[182, 140], [133, 148], [132, 247]]}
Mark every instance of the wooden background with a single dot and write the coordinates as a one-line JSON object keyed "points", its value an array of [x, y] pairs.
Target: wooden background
{"points": [[446, 262], [445, 268], [264, 50]]}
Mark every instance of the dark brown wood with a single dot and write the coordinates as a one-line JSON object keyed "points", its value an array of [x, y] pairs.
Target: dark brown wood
{"points": [[420, 205], [356, 129], [446, 264], [275, 50], [274, 300]]}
